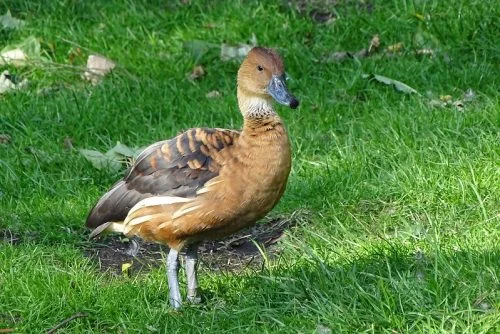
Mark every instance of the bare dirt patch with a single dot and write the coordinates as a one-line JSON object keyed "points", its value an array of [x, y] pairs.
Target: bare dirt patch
{"points": [[234, 253]]}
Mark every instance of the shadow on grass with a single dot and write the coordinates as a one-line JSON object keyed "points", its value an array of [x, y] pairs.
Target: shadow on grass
{"points": [[387, 288], [234, 253]]}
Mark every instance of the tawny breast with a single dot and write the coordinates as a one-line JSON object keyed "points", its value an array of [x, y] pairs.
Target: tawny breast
{"points": [[252, 179]]}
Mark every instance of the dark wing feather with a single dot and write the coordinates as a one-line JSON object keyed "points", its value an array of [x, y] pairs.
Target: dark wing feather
{"points": [[175, 167]]}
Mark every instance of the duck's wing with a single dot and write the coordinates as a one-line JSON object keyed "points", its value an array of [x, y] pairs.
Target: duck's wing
{"points": [[177, 167]]}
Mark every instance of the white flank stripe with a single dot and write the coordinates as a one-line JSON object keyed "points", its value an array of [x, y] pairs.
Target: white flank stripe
{"points": [[182, 211], [203, 190], [116, 227], [208, 187], [158, 200], [162, 225], [140, 220]]}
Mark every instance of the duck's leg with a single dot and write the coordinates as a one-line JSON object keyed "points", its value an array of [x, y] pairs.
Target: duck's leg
{"points": [[173, 281], [192, 282]]}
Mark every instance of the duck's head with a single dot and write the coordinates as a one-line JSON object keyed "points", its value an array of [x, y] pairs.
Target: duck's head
{"points": [[262, 77]]}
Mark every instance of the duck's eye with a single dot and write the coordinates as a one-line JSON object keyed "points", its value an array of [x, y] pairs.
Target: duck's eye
{"points": [[260, 68]]}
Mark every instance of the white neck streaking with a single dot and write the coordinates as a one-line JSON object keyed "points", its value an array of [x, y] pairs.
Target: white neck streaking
{"points": [[256, 107]]}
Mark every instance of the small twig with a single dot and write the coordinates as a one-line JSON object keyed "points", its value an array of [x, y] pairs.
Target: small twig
{"points": [[65, 321]]}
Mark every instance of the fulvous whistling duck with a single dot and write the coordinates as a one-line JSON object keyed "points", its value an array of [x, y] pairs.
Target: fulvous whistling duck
{"points": [[207, 183]]}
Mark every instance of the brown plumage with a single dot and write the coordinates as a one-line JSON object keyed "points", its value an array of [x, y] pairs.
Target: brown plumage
{"points": [[207, 183], [175, 167]]}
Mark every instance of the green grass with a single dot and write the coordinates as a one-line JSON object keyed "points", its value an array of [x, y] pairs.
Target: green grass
{"points": [[403, 229]]}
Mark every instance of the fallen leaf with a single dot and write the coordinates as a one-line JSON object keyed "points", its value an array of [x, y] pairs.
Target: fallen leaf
{"points": [[97, 68], [7, 83], [213, 94], [436, 103], [40, 154], [100, 160], [197, 72], [363, 53], [228, 52], [458, 104], [446, 98], [113, 159], [372, 48], [19, 54], [125, 268], [398, 85], [8, 22], [424, 40], [374, 43], [30, 45], [425, 52], [120, 150], [338, 56], [469, 95], [198, 48], [4, 138], [394, 48], [15, 57]]}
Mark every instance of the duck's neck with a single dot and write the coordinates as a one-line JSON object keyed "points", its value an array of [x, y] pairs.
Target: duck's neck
{"points": [[257, 112]]}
